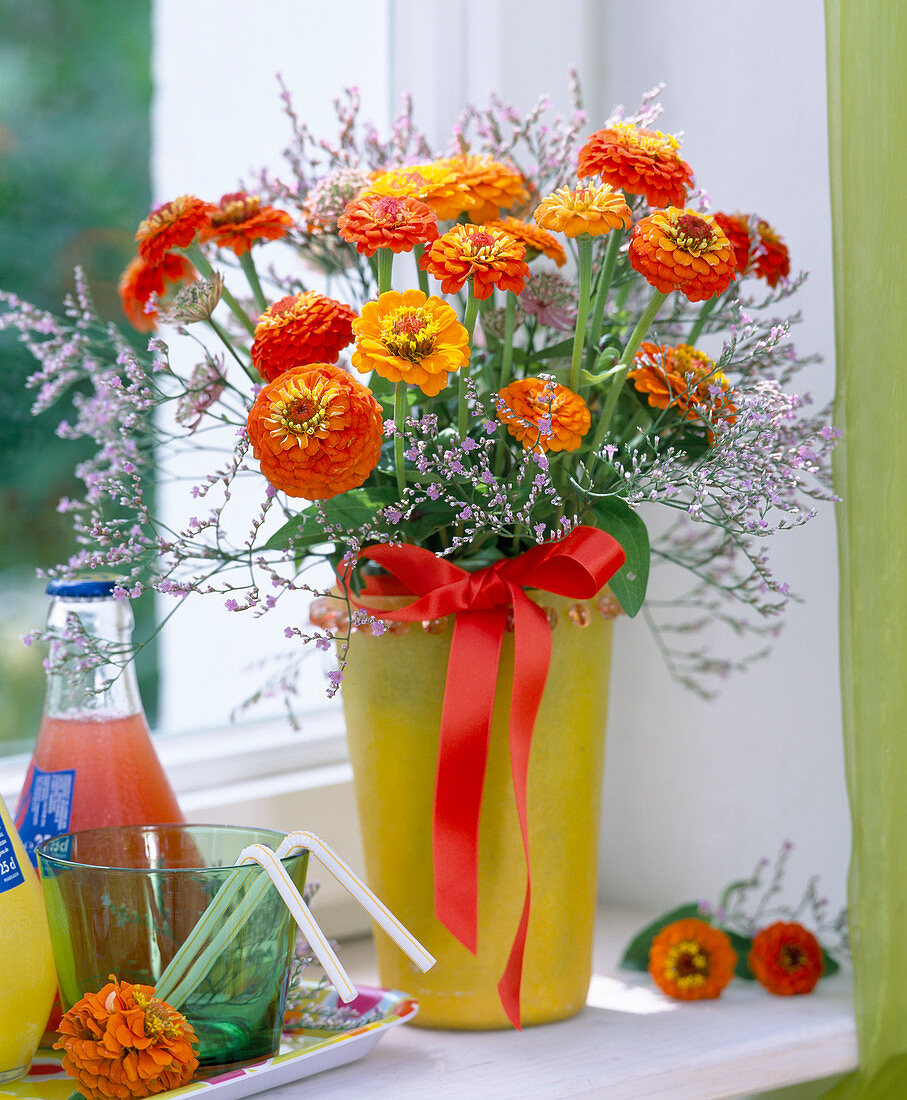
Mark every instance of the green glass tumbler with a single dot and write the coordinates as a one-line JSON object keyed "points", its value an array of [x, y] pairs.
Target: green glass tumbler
{"points": [[123, 900]]}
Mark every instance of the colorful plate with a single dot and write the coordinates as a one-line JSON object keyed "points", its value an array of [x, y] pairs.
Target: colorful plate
{"points": [[308, 1050]]}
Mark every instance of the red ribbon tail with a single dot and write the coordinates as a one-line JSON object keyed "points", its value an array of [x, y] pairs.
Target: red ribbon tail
{"points": [[462, 753], [511, 979], [531, 658]]}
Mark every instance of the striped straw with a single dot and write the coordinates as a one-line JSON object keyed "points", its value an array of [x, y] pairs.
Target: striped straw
{"points": [[298, 841], [270, 862], [182, 974]]}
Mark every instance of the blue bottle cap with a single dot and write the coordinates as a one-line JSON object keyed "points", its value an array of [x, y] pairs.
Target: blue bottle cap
{"points": [[91, 587]]}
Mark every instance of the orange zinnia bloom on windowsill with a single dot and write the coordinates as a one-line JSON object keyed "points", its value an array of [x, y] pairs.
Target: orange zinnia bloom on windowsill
{"points": [[691, 960], [786, 958]]}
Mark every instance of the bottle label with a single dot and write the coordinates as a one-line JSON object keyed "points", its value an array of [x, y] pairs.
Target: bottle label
{"points": [[10, 871], [45, 808]]}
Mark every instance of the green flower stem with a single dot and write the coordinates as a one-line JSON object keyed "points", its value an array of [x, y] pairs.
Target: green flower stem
{"points": [[604, 421], [506, 367], [507, 350], [196, 255], [421, 273], [469, 323], [601, 295], [248, 265], [707, 308], [584, 246], [385, 270], [399, 418], [225, 340]]}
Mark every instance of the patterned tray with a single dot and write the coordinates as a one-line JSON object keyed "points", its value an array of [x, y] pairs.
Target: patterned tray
{"points": [[307, 1051]]}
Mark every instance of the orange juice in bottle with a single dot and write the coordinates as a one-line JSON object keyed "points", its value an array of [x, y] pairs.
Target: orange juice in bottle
{"points": [[27, 976]]}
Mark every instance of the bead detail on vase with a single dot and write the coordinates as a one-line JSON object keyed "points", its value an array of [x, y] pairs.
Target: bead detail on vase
{"points": [[323, 612], [608, 605], [331, 615]]}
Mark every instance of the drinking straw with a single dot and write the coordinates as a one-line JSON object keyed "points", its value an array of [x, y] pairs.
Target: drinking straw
{"points": [[180, 978], [270, 862], [343, 873]]}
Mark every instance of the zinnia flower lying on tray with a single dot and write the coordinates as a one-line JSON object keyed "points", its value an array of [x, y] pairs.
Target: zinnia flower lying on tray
{"points": [[122, 1042]]}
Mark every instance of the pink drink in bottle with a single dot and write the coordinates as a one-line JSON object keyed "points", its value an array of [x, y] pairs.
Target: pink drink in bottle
{"points": [[94, 763]]}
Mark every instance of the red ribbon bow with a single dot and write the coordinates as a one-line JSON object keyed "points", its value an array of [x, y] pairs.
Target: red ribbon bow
{"points": [[576, 566]]}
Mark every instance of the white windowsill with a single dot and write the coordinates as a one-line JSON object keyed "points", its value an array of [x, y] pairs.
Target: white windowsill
{"points": [[630, 1042], [205, 766]]}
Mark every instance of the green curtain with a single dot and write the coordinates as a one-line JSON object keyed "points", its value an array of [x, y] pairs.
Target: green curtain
{"points": [[867, 112]]}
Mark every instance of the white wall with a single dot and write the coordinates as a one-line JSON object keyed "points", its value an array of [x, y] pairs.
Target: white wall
{"points": [[695, 792], [715, 786]]}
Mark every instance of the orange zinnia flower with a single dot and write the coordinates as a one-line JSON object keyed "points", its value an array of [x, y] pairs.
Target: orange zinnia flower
{"points": [[682, 250], [490, 256], [642, 162], [772, 260], [316, 431], [435, 184], [488, 184], [684, 379], [239, 220], [787, 958], [736, 228], [691, 960], [408, 337], [544, 415], [140, 280], [592, 210], [298, 329], [172, 225], [397, 222], [536, 240], [122, 1042]]}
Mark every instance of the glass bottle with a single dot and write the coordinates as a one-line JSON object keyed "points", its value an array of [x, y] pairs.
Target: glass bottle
{"points": [[27, 976], [94, 763]]}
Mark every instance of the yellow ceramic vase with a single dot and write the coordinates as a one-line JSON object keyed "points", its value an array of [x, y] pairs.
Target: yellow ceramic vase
{"points": [[392, 694]]}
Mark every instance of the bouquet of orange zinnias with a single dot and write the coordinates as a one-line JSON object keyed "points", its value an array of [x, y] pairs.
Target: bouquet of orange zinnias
{"points": [[536, 331]]}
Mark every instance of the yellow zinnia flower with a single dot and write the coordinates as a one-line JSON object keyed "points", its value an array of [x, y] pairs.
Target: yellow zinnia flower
{"points": [[592, 210], [410, 338]]}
